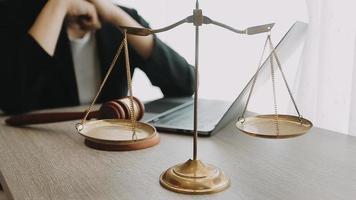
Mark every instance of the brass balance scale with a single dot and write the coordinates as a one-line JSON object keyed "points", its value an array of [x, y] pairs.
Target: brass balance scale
{"points": [[193, 176]]}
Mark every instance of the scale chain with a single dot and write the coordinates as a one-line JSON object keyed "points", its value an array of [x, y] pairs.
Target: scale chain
{"points": [[254, 81], [129, 83], [284, 79], [79, 126], [274, 87]]}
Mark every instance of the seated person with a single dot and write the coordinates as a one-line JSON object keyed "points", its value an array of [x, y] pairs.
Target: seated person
{"points": [[55, 53]]}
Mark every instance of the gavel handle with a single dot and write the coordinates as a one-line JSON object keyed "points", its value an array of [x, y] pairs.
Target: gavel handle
{"points": [[41, 118]]}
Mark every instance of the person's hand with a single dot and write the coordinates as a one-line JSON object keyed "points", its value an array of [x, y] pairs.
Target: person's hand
{"points": [[82, 13], [106, 9], [116, 16]]}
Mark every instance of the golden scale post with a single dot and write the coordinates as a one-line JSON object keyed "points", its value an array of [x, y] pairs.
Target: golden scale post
{"points": [[192, 176]]}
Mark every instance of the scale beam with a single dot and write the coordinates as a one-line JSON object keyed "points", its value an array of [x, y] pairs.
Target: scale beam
{"points": [[206, 20], [198, 19], [147, 31]]}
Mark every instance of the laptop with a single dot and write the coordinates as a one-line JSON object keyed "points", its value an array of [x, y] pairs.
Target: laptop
{"points": [[176, 114]]}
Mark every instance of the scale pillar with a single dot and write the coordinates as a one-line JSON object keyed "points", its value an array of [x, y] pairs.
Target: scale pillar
{"points": [[194, 176]]}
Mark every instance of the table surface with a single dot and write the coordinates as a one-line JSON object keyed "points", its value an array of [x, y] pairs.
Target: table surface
{"points": [[51, 162]]}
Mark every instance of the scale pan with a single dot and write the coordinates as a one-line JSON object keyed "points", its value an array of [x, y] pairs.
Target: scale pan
{"points": [[265, 126], [116, 135]]}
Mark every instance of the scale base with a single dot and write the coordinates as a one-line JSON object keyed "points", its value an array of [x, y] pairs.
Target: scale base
{"points": [[194, 177]]}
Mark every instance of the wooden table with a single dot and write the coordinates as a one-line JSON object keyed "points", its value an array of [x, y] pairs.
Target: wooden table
{"points": [[51, 162]]}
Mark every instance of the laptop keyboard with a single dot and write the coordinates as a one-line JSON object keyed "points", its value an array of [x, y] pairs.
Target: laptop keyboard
{"points": [[210, 112]]}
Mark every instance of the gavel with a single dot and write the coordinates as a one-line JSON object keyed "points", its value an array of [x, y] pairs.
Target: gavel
{"points": [[115, 109]]}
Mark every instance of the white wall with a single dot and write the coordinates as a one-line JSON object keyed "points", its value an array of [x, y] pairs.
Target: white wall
{"points": [[227, 60]]}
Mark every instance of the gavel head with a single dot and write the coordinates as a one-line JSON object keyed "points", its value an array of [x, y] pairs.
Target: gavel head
{"points": [[120, 109]]}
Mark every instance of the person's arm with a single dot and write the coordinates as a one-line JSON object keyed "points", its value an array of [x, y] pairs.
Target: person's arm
{"points": [[164, 67], [47, 26], [118, 17]]}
